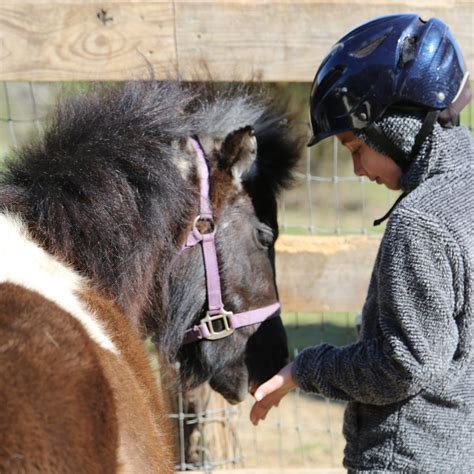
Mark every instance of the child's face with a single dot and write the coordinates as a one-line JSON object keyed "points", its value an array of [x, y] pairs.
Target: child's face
{"points": [[368, 162]]}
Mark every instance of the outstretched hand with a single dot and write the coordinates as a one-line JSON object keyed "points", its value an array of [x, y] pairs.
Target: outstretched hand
{"points": [[270, 393]]}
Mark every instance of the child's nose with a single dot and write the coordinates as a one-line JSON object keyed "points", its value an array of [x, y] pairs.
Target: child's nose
{"points": [[358, 168]]}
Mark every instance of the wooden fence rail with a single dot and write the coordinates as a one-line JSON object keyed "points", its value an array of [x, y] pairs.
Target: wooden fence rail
{"points": [[269, 40], [324, 273]]}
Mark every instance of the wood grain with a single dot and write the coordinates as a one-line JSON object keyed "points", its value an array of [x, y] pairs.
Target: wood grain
{"points": [[227, 40], [85, 42], [277, 41]]}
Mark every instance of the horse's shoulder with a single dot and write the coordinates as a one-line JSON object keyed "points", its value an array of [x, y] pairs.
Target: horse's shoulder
{"points": [[53, 388]]}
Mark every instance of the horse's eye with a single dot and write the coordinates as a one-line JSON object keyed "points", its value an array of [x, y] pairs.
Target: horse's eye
{"points": [[264, 235]]}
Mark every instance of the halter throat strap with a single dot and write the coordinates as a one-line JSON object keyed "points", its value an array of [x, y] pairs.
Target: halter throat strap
{"points": [[218, 322]]}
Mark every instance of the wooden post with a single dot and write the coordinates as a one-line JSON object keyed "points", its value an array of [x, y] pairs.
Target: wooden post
{"points": [[211, 440]]}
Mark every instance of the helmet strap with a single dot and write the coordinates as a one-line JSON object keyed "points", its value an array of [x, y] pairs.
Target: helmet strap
{"points": [[425, 130], [377, 136], [387, 215], [428, 123]]}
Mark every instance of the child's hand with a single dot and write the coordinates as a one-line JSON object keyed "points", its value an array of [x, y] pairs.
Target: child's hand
{"points": [[271, 392]]}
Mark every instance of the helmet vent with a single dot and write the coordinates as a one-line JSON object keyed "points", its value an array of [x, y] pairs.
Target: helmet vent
{"points": [[369, 47], [408, 50], [331, 78]]}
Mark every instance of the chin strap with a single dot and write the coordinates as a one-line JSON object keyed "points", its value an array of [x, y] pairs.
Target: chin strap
{"points": [[387, 215], [375, 133], [428, 123], [402, 159]]}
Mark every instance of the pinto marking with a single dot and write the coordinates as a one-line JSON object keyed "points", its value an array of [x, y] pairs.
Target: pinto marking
{"points": [[25, 263]]}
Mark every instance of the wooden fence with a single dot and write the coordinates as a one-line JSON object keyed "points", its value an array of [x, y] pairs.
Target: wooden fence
{"points": [[270, 40], [324, 273]]}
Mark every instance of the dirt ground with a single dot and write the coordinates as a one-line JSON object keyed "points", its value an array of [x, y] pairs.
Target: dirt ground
{"points": [[304, 431]]}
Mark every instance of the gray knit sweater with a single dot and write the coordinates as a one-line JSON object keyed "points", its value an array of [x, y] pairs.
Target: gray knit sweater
{"points": [[409, 380]]}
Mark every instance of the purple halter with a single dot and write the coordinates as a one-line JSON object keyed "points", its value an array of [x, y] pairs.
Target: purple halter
{"points": [[216, 311]]}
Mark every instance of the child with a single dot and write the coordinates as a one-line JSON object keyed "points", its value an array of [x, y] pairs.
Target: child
{"points": [[391, 91]]}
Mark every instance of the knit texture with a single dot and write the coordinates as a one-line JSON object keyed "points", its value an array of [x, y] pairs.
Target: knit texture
{"points": [[399, 128], [409, 380]]}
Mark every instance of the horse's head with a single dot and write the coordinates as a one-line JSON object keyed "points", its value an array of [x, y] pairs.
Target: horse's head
{"points": [[113, 189], [246, 167]]}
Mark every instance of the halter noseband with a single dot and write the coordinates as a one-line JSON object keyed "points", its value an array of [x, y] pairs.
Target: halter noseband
{"points": [[215, 312]]}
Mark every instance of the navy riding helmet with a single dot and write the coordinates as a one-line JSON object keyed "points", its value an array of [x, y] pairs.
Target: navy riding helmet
{"points": [[395, 60]]}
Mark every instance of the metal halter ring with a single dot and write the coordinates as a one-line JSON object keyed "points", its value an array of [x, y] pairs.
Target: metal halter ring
{"points": [[223, 316], [204, 219]]}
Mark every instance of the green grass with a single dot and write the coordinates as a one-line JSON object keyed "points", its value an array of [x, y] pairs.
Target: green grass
{"points": [[467, 115], [309, 329]]}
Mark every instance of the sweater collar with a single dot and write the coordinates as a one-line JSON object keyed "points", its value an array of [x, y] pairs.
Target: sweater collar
{"points": [[447, 149]]}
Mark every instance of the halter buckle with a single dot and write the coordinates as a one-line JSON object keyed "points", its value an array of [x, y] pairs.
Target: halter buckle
{"points": [[209, 320], [210, 220]]}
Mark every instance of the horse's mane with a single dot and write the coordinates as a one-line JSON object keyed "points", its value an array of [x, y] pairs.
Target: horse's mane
{"points": [[102, 175]]}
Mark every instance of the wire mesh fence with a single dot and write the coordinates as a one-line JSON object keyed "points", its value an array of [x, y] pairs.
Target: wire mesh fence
{"points": [[327, 199], [305, 430], [333, 201]]}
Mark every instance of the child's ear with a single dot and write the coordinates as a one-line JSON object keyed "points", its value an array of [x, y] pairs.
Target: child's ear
{"points": [[239, 151]]}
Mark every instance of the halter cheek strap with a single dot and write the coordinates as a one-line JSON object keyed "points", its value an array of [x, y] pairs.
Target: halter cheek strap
{"points": [[215, 312]]}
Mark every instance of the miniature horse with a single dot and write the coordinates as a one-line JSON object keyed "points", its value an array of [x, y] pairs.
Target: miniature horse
{"points": [[95, 255]]}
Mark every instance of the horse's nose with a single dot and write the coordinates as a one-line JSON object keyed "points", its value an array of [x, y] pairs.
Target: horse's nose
{"points": [[233, 401], [252, 387]]}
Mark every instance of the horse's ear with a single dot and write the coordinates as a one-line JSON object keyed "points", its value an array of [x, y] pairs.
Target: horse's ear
{"points": [[239, 151], [183, 155]]}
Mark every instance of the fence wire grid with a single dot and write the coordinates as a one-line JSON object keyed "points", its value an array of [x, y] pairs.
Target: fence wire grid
{"points": [[305, 430], [328, 199]]}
